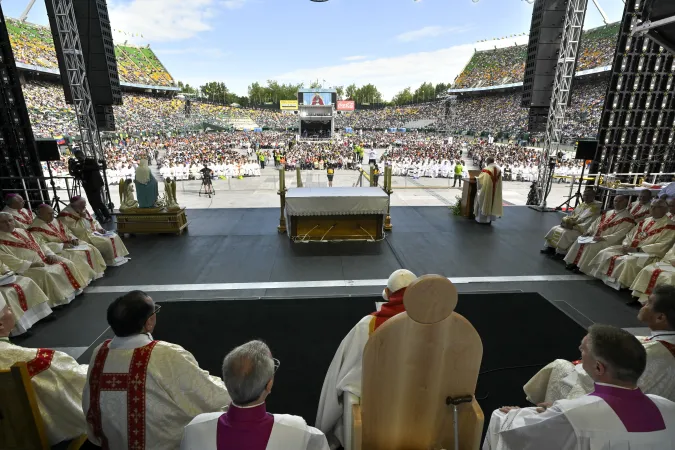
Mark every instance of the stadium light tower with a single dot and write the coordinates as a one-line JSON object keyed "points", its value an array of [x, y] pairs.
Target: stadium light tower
{"points": [[23, 16]]}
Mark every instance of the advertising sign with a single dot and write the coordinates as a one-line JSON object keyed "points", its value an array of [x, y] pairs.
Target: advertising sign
{"points": [[288, 105], [346, 105]]}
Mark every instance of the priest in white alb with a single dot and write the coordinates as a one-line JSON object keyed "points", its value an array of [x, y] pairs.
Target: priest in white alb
{"points": [[55, 235], [78, 220], [563, 379], [489, 205], [58, 381], [616, 415], [654, 275], [28, 303], [647, 242], [15, 205], [344, 373], [57, 277], [248, 372], [559, 238], [140, 393], [642, 207], [607, 230]]}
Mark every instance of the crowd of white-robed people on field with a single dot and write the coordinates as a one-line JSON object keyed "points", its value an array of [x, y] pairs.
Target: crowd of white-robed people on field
{"points": [[619, 394]]}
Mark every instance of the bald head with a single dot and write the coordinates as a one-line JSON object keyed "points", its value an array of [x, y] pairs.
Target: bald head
{"points": [[620, 202], [14, 201], [6, 222], [659, 208], [45, 213]]}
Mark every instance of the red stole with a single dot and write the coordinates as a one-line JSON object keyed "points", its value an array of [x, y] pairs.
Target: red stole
{"points": [[41, 362], [389, 309], [59, 233]]}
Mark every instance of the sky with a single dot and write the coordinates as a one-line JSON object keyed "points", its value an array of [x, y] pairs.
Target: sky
{"points": [[393, 44]]}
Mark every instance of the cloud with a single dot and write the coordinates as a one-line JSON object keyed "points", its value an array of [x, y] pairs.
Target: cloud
{"points": [[428, 32], [354, 58], [234, 4]]}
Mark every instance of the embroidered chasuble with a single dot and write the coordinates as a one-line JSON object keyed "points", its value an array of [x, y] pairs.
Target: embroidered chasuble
{"points": [[489, 205], [27, 302], [653, 275], [141, 393], [639, 211], [60, 282], [88, 229], [22, 217], [58, 381], [580, 220]]}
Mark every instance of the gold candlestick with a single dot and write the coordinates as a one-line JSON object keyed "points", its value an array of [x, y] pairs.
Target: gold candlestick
{"points": [[282, 217], [387, 181]]}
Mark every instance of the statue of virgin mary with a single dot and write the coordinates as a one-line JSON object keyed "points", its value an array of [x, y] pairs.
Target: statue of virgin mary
{"points": [[146, 186]]}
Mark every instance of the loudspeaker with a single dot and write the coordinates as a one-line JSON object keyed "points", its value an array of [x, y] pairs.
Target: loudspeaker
{"points": [[586, 149], [105, 118], [48, 150]]}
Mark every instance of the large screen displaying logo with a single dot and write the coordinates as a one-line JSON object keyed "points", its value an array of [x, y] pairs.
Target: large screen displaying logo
{"points": [[317, 98], [346, 105]]}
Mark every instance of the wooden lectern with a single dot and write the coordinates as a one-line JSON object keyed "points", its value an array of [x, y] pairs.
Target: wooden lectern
{"points": [[469, 192], [412, 365]]}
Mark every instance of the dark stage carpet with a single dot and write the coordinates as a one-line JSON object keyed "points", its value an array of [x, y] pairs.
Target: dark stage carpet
{"points": [[520, 331]]}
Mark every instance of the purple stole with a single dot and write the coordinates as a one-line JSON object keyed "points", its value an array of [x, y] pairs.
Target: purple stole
{"points": [[637, 412], [244, 428]]}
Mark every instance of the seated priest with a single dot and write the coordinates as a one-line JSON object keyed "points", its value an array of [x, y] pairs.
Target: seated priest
{"points": [[617, 415], [642, 207], [248, 372], [165, 380], [58, 278], [654, 275], [618, 266], [58, 381], [561, 237], [78, 220], [55, 235], [567, 380], [14, 205], [607, 230], [344, 372], [670, 201], [28, 303]]}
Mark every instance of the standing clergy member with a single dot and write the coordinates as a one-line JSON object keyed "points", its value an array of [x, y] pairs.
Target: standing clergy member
{"points": [[58, 278], [53, 233], [619, 265], [140, 393], [58, 381], [78, 220], [615, 416], [28, 303], [561, 237], [15, 206], [344, 373], [652, 276], [248, 372], [566, 380], [641, 208], [489, 204], [607, 230]]}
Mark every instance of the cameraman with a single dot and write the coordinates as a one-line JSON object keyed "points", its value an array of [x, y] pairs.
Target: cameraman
{"points": [[206, 179], [88, 172]]}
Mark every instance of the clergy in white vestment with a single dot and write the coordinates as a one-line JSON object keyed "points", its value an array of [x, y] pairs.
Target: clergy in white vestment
{"points": [[489, 205], [57, 277], [140, 393], [559, 238], [248, 372], [563, 379], [654, 275], [618, 266], [28, 303], [58, 381], [670, 201], [344, 373], [641, 208], [78, 220], [616, 415], [607, 230], [51, 232], [15, 206]]}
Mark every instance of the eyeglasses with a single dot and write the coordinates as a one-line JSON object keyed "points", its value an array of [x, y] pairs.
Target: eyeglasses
{"points": [[155, 310], [277, 364]]}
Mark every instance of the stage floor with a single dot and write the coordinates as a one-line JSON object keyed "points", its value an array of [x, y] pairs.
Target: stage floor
{"points": [[238, 254]]}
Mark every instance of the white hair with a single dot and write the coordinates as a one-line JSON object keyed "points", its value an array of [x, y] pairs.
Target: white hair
{"points": [[246, 371]]}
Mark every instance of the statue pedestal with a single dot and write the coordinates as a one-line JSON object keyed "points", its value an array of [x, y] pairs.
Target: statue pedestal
{"points": [[151, 221]]}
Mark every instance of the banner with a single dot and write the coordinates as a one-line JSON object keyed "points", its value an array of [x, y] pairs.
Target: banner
{"points": [[288, 105], [346, 105]]}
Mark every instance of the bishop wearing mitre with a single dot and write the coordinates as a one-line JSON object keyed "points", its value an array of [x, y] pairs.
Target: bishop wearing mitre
{"points": [[78, 220], [58, 278], [489, 205], [58, 381], [14, 205], [55, 235], [344, 372], [27, 302], [607, 230], [561, 237], [619, 265]]}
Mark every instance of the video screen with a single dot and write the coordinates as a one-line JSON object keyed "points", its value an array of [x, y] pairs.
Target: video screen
{"points": [[317, 98]]}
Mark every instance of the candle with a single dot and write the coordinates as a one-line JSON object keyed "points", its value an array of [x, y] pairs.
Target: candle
{"points": [[282, 180]]}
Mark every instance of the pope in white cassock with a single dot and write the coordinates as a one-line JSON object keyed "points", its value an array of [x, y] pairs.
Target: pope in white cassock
{"points": [[58, 278], [28, 303], [607, 230], [561, 237], [15, 206], [55, 235], [248, 372], [140, 393], [619, 265], [58, 381], [489, 205], [567, 380], [616, 415], [78, 220], [344, 372]]}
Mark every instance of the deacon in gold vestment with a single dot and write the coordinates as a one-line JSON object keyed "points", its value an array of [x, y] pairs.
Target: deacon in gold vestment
{"points": [[58, 381], [561, 237], [28, 303], [619, 265], [78, 220], [53, 233], [15, 206]]}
